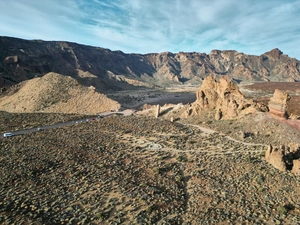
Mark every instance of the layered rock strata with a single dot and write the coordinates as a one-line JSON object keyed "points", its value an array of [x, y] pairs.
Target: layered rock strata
{"points": [[278, 104]]}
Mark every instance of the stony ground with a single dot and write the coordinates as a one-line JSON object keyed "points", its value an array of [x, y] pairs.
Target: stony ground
{"points": [[141, 170], [254, 128], [15, 121]]}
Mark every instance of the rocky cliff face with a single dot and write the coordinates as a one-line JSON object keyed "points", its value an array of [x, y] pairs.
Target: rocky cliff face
{"points": [[113, 70]]}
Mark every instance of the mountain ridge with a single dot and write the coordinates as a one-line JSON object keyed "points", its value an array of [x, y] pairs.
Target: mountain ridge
{"points": [[114, 70]]}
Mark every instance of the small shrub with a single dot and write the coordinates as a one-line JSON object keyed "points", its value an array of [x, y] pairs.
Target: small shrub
{"points": [[262, 153], [281, 210], [161, 157], [156, 170], [178, 178], [150, 209], [181, 159], [209, 122], [259, 179]]}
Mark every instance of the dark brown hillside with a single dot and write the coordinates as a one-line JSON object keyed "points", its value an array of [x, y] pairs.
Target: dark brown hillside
{"points": [[114, 70]]}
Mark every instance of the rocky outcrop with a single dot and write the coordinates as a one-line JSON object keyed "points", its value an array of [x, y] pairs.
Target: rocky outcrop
{"points": [[284, 157], [225, 97], [296, 167], [115, 70], [278, 104], [275, 156]]}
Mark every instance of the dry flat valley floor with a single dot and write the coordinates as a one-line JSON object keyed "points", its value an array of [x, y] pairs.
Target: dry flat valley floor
{"points": [[140, 170]]}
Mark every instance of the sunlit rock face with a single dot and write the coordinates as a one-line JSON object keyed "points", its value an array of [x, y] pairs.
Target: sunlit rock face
{"points": [[223, 96]]}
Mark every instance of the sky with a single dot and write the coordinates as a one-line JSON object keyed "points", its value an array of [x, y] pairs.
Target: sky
{"points": [[154, 26]]}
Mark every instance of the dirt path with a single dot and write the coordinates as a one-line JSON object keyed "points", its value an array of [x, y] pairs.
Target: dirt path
{"points": [[210, 131]]}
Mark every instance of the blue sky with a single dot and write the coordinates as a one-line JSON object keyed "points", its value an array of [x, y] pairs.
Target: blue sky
{"points": [[145, 26]]}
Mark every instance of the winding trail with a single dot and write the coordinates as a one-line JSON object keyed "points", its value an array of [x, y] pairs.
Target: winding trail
{"points": [[210, 131]]}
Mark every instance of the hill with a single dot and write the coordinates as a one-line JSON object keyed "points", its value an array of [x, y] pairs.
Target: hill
{"points": [[55, 93], [114, 70]]}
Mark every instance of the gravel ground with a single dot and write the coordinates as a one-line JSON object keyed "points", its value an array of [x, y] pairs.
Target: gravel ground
{"points": [[140, 170]]}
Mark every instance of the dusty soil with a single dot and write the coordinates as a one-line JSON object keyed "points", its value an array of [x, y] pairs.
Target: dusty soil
{"points": [[139, 170]]}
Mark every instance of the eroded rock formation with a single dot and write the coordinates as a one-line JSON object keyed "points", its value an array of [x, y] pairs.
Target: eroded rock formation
{"points": [[284, 157], [275, 156], [225, 97], [278, 104]]}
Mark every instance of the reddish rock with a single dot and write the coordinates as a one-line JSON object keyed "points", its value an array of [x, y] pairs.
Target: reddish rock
{"points": [[274, 53], [278, 104]]}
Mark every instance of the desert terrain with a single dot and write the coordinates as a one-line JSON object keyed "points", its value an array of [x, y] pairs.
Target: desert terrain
{"points": [[225, 152], [137, 170], [145, 170]]}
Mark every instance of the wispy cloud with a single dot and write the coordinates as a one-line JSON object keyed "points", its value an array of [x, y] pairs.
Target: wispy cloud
{"points": [[250, 26]]}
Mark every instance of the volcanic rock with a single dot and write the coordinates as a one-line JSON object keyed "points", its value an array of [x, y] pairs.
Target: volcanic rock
{"points": [[115, 70], [284, 157], [225, 97], [296, 167], [278, 104], [275, 156], [274, 53]]}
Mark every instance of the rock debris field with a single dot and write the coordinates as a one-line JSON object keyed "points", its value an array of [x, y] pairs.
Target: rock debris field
{"points": [[141, 170]]}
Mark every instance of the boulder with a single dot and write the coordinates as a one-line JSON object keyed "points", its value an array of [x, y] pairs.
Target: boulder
{"points": [[278, 104], [284, 157], [296, 167], [275, 156]]}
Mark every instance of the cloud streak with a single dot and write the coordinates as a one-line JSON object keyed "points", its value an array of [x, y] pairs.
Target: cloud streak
{"points": [[249, 26]]}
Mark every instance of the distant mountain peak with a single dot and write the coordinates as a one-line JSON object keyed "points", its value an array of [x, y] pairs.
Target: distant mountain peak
{"points": [[274, 53]]}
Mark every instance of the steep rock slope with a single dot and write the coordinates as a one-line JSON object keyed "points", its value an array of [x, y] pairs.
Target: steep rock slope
{"points": [[55, 93], [114, 70]]}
